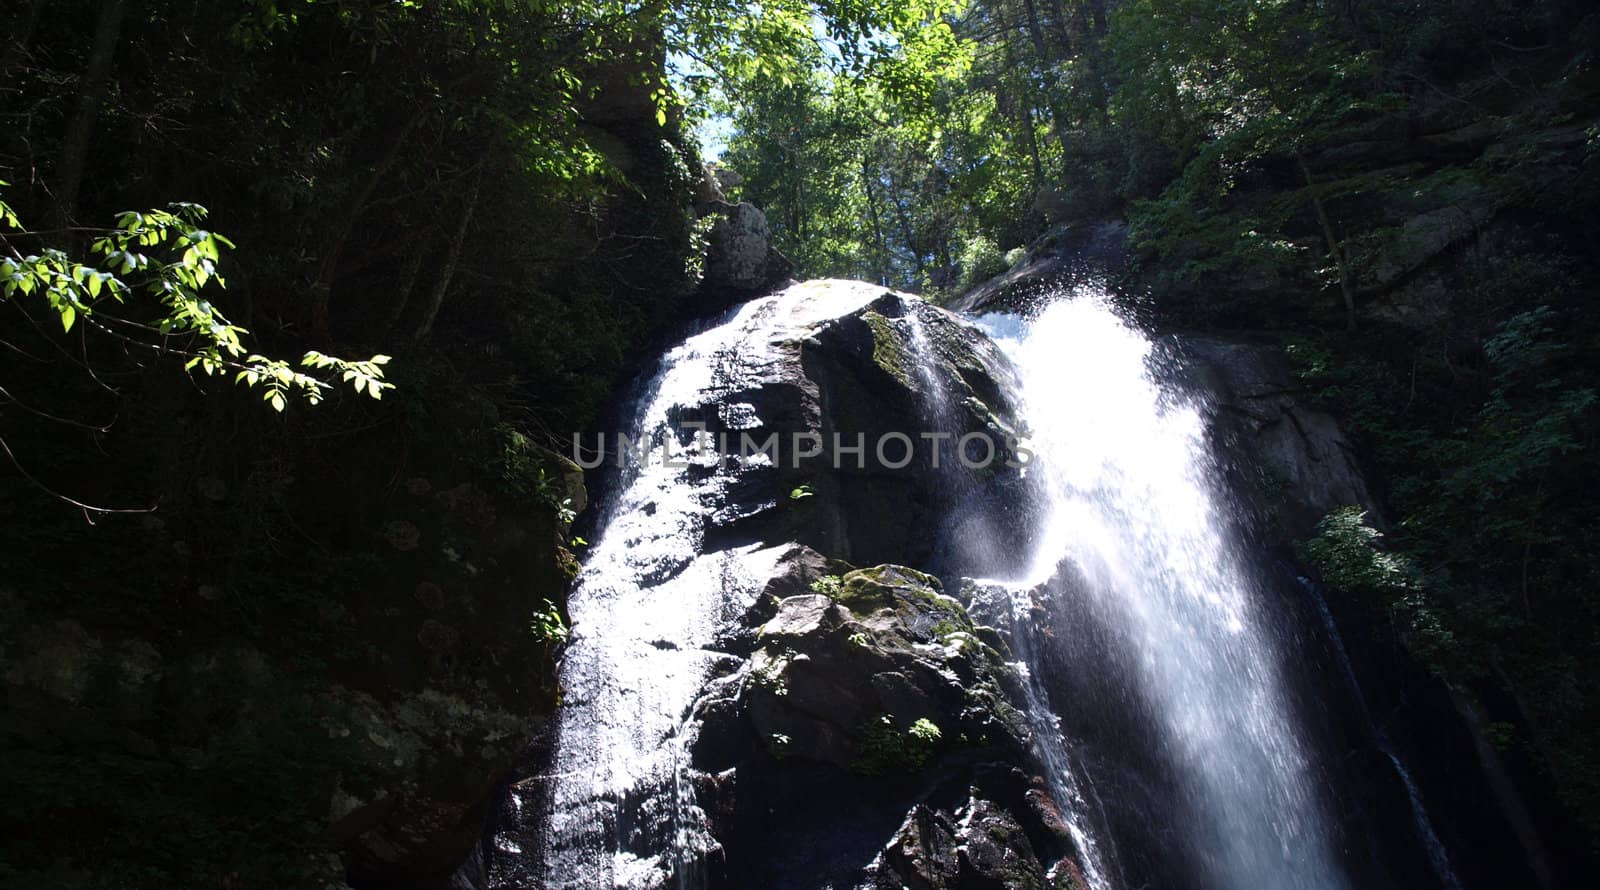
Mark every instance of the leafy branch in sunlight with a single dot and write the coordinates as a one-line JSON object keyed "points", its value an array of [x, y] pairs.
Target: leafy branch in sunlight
{"points": [[170, 258]]}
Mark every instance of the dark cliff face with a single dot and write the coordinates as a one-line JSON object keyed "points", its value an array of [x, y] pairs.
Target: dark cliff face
{"points": [[303, 654], [1289, 463]]}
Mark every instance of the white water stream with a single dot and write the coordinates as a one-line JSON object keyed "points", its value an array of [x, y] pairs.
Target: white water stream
{"points": [[1131, 500]]}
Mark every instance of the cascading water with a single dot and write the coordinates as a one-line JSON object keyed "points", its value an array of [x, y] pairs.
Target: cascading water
{"points": [[1011, 605], [645, 608], [1131, 505]]}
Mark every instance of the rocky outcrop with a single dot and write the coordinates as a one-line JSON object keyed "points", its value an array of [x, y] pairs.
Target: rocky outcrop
{"points": [[874, 674], [1290, 459], [876, 688], [977, 846], [739, 255], [1065, 256], [892, 367], [815, 703]]}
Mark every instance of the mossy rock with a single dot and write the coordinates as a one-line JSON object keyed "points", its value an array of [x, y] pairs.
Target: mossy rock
{"points": [[865, 591], [889, 350]]}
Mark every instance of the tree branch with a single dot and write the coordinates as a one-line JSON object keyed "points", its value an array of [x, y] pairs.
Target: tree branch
{"points": [[88, 509]]}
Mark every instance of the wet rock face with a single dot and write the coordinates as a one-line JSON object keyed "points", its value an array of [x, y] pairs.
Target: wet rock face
{"points": [[903, 369], [1067, 255], [978, 846], [886, 394], [815, 704], [887, 678], [874, 675], [1292, 459], [871, 741]]}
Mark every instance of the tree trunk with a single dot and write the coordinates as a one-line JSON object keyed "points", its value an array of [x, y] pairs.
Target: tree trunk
{"points": [[1032, 137], [442, 288], [879, 239], [91, 96], [905, 231], [1037, 34], [408, 284], [1503, 787], [1334, 252], [1058, 24], [1047, 72], [1023, 112]]}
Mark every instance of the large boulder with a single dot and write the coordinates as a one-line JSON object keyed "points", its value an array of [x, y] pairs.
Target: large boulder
{"points": [[853, 677], [739, 254], [892, 366], [875, 729]]}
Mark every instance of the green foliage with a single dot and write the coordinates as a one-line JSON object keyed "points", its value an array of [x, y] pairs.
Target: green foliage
{"points": [[548, 626], [1350, 555], [827, 585], [980, 259], [166, 255], [767, 672], [883, 749], [848, 155], [1213, 127], [1491, 561], [514, 463]]}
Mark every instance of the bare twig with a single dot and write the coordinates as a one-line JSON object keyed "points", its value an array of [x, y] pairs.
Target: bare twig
{"points": [[7, 396], [88, 509]]}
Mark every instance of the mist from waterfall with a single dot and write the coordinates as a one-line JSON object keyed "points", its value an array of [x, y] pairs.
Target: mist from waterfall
{"points": [[1131, 507]]}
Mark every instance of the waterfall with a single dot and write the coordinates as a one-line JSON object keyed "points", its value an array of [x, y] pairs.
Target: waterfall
{"points": [[1111, 567], [1131, 503]]}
